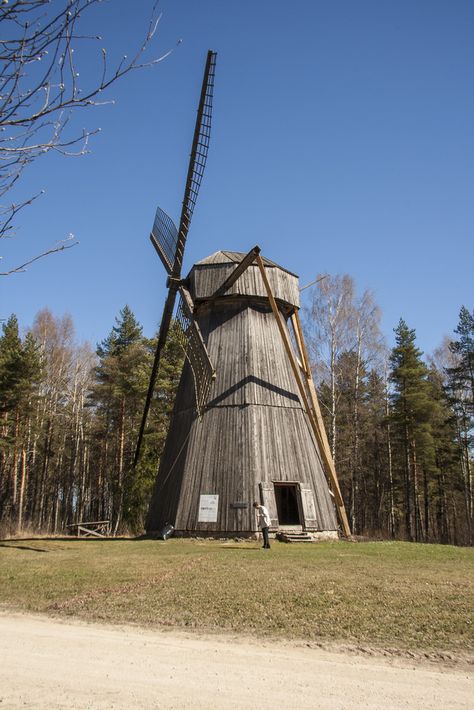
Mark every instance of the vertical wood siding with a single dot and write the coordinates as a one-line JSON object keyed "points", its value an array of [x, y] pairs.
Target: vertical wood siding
{"points": [[205, 279], [253, 431]]}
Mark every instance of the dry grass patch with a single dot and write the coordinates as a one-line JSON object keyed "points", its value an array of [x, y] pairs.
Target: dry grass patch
{"points": [[387, 594]]}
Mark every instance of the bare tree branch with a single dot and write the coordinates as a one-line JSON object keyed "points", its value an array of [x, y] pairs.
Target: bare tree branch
{"points": [[60, 247], [40, 51]]}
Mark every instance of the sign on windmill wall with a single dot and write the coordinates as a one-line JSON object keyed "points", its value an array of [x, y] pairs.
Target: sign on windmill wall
{"points": [[208, 505]]}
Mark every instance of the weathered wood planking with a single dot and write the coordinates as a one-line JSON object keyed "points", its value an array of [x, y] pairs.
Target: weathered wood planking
{"points": [[95, 528], [206, 277], [254, 430]]}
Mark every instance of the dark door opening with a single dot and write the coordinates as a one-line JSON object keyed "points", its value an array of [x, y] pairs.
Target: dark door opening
{"points": [[286, 497]]}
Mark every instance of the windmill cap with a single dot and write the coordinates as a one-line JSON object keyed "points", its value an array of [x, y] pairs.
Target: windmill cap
{"points": [[225, 257], [208, 274]]}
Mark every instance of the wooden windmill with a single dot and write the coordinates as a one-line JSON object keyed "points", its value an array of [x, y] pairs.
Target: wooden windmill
{"points": [[246, 423]]}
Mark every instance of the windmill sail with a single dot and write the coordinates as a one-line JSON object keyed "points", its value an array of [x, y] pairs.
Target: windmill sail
{"points": [[195, 350], [199, 151], [164, 237], [169, 242]]}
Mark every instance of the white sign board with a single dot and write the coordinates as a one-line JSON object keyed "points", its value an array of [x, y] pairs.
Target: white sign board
{"points": [[208, 505]]}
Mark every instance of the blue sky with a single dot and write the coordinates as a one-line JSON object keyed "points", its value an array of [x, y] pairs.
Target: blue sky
{"points": [[342, 143]]}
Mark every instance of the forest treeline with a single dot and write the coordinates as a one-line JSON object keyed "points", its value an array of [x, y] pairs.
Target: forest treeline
{"points": [[400, 427]]}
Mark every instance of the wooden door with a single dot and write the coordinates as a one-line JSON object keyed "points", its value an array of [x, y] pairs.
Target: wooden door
{"points": [[308, 507], [267, 493]]}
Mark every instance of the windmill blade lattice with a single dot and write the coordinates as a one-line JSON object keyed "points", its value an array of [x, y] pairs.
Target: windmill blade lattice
{"points": [[169, 242], [164, 237], [195, 350], [199, 151]]}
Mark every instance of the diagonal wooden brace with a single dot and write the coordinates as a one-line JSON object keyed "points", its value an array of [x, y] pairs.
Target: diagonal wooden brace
{"points": [[238, 271], [317, 427]]}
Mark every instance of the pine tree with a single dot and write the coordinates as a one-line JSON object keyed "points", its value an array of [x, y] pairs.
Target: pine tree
{"points": [[447, 478], [20, 372], [117, 396], [377, 489], [171, 364], [10, 382], [410, 414], [464, 349], [461, 390], [10, 365]]}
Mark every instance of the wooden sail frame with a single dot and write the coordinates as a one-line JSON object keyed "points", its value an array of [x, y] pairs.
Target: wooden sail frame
{"points": [[195, 350], [168, 240]]}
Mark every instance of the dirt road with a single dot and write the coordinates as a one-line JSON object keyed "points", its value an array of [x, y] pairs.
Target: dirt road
{"points": [[51, 664]]}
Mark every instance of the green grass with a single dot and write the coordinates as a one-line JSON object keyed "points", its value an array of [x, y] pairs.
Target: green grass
{"points": [[399, 595]]}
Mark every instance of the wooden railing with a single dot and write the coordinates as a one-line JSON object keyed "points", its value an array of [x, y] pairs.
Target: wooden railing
{"points": [[96, 528]]}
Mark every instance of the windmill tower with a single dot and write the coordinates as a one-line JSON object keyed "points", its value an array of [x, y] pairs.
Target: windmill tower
{"points": [[246, 423]]}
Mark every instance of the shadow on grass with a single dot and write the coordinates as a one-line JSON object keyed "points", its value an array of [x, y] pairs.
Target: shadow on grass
{"points": [[18, 542], [240, 547], [66, 538], [22, 547]]}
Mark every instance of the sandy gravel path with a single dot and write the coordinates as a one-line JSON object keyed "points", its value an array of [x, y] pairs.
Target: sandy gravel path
{"points": [[52, 664]]}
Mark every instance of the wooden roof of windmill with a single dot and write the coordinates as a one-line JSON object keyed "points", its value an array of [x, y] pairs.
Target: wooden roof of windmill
{"points": [[207, 275], [224, 256]]}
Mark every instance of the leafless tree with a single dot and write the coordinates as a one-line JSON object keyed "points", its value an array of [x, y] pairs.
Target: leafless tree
{"points": [[345, 342], [40, 89], [329, 319]]}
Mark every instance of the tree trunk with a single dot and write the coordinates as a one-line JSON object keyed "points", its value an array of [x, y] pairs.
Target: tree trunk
{"points": [[21, 496], [392, 522], [426, 501], [121, 443], [333, 402], [416, 494], [14, 469], [408, 516]]}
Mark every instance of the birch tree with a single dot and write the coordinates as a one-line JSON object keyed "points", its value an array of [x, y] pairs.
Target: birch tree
{"points": [[329, 319], [345, 342]]}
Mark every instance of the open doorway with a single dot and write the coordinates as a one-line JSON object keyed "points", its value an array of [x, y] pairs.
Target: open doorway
{"points": [[286, 497]]}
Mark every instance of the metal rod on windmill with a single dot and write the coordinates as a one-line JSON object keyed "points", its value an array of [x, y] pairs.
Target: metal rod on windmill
{"points": [[315, 281], [169, 243]]}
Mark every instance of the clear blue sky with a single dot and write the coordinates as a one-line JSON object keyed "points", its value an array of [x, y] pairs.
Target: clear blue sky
{"points": [[342, 142]]}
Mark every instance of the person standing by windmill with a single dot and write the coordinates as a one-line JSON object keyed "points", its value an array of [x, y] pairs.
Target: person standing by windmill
{"points": [[263, 521]]}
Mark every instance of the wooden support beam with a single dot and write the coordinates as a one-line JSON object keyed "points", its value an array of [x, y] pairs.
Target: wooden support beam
{"points": [[238, 271], [326, 450], [186, 296], [302, 390], [88, 532]]}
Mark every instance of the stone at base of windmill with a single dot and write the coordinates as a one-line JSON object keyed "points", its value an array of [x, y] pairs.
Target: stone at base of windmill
{"points": [[217, 535], [303, 536]]}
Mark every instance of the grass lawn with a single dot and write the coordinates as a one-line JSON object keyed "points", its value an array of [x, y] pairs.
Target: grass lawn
{"points": [[385, 594]]}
